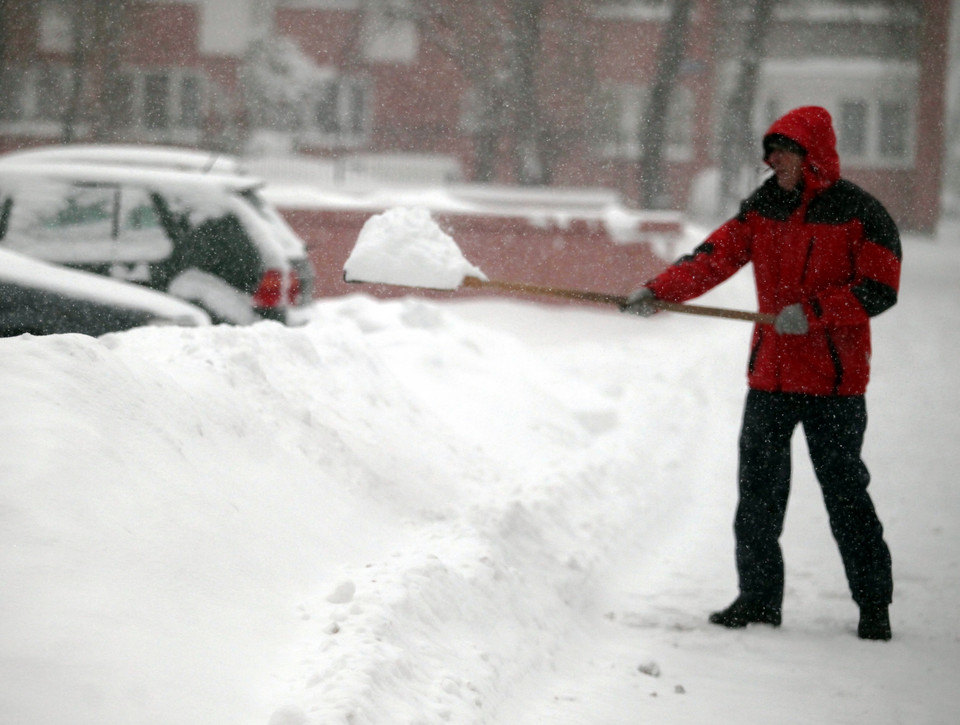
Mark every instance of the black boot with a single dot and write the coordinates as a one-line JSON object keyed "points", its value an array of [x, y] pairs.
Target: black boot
{"points": [[747, 610], [874, 622]]}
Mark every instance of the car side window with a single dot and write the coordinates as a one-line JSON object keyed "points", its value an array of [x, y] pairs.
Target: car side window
{"points": [[141, 239], [63, 222], [88, 224]]}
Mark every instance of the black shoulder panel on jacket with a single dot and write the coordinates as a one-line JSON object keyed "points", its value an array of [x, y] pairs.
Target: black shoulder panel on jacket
{"points": [[770, 201], [875, 296], [844, 202], [705, 248]]}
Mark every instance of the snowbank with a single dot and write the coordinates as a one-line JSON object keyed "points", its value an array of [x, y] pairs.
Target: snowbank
{"points": [[472, 512]]}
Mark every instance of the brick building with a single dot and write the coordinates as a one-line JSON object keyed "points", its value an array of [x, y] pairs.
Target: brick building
{"points": [[172, 72]]}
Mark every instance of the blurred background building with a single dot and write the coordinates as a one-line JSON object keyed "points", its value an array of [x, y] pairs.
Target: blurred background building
{"points": [[661, 100]]}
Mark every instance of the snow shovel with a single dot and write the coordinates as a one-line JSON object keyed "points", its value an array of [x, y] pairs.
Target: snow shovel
{"points": [[405, 247]]}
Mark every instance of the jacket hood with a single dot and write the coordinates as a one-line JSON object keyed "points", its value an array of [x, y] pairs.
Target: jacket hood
{"points": [[812, 128]]}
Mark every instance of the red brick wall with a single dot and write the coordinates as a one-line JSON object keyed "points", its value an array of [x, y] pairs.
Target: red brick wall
{"points": [[327, 36], [164, 34]]}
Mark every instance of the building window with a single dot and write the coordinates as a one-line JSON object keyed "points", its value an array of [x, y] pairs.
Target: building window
{"points": [[326, 109], [894, 117], [163, 102], [356, 109], [389, 34], [39, 93], [12, 94], [121, 99], [619, 118], [852, 128], [52, 89], [156, 97], [191, 102], [339, 112], [55, 28], [874, 132], [873, 104], [166, 104]]}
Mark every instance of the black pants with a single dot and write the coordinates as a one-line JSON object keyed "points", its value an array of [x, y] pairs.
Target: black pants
{"points": [[834, 428]]}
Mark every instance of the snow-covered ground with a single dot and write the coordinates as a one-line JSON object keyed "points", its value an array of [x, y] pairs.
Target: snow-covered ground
{"points": [[477, 512]]}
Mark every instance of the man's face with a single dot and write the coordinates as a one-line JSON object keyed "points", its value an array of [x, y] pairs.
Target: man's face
{"points": [[788, 167]]}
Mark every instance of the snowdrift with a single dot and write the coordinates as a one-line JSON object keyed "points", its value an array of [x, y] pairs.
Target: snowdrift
{"points": [[470, 512]]}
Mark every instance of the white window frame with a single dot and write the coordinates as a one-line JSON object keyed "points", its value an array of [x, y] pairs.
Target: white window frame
{"points": [[29, 122], [174, 129], [635, 10], [624, 105], [389, 33], [352, 124], [54, 28], [831, 84]]}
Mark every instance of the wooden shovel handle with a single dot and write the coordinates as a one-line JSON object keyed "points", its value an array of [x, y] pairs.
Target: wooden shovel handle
{"points": [[533, 289], [760, 318], [618, 300]]}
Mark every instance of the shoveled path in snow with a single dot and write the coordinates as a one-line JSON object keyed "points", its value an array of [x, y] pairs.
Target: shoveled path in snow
{"points": [[643, 652], [646, 653]]}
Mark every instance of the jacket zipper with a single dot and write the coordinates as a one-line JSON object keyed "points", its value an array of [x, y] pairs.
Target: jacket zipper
{"points": [[806, 262], [834, 355], [837, 364], [751, 366]]}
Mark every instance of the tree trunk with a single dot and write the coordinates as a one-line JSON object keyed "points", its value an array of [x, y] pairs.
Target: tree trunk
{"points": [[5, 99], [736, 136], [98, 27], [652, 182], [528, 158], [78, 66], [497, 46], [109, 23], [4, 25], [16, 19]]}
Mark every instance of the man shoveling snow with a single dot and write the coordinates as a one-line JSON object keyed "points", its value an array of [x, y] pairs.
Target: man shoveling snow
{"points": [[826, 258]]}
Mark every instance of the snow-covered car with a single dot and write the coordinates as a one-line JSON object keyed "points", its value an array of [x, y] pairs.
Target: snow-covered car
{"points": [[167, 223], [43, 299], [135, 155]]}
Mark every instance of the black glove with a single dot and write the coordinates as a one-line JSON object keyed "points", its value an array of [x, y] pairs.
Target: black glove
{"points": [[792, 320], [642, 302]]}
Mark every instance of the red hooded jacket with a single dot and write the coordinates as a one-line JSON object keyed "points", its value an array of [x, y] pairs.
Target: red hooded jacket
{"points": [[829, 246]]}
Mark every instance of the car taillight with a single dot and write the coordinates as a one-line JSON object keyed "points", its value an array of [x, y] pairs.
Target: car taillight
{"points": [[272, 291]]}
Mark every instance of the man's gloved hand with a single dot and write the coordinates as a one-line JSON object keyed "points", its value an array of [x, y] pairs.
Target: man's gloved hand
{"points": [[792, 320], [640, 302]]}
